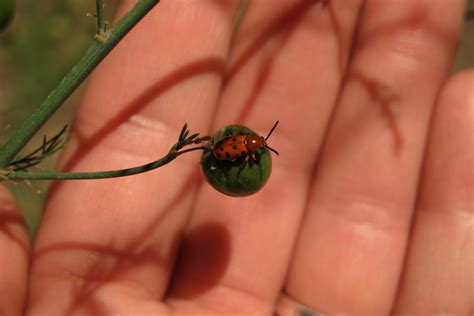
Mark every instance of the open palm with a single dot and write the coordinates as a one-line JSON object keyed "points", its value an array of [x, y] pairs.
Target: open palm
{"points": [[369, 208]]}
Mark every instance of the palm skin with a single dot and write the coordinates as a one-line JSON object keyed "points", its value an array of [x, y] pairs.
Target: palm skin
{"points": [[369, 208]]}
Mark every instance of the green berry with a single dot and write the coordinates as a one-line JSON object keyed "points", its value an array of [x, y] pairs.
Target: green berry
{"points": [[239, 177]]}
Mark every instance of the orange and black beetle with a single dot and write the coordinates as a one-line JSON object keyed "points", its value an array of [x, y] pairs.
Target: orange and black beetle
{"points": [[241, 145]]}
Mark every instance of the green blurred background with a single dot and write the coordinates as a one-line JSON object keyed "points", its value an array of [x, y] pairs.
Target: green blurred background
{"points": [[44, 40]]}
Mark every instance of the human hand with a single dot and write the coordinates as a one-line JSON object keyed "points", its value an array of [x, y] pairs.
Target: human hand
{"points": [[357, 217]]}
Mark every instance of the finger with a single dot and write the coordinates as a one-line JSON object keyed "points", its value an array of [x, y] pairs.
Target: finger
{"points": [[350, 250], [287, 64], [103, 239], [439, 274], [14, 256]]}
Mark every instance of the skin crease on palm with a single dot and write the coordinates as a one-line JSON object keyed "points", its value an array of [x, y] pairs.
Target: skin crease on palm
{"points": [[369, 208]]}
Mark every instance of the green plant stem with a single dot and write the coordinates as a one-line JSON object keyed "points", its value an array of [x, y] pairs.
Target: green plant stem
{"points": [[100, 16], [53, 175], [94, 55]]}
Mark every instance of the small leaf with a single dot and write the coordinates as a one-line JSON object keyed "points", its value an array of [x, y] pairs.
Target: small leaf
{"points": [[47, 148], [183, 130], [192, 137], [185, 135]]}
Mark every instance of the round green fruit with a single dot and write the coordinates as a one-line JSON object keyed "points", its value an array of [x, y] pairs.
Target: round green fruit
{"points": [[242, 176]]}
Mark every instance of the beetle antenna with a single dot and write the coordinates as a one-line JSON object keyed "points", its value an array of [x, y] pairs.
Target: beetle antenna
{"points": [[276, 152], [271, 131]]}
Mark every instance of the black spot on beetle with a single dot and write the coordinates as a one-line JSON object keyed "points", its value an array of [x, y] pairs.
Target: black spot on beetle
{"points": [[235, 147], [221, 149], [227, 154], [234, 139]]}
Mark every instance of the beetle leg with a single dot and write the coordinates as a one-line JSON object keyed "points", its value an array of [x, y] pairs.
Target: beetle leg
{"points": [[242, 166]]}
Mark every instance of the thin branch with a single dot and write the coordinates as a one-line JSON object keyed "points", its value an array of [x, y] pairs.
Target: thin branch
{"points": [[52, 175], [175, 151], [100, 16]]}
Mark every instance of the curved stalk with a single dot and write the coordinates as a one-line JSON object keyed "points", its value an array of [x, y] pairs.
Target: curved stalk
{"points": [[53, 175], [184, 139]]}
